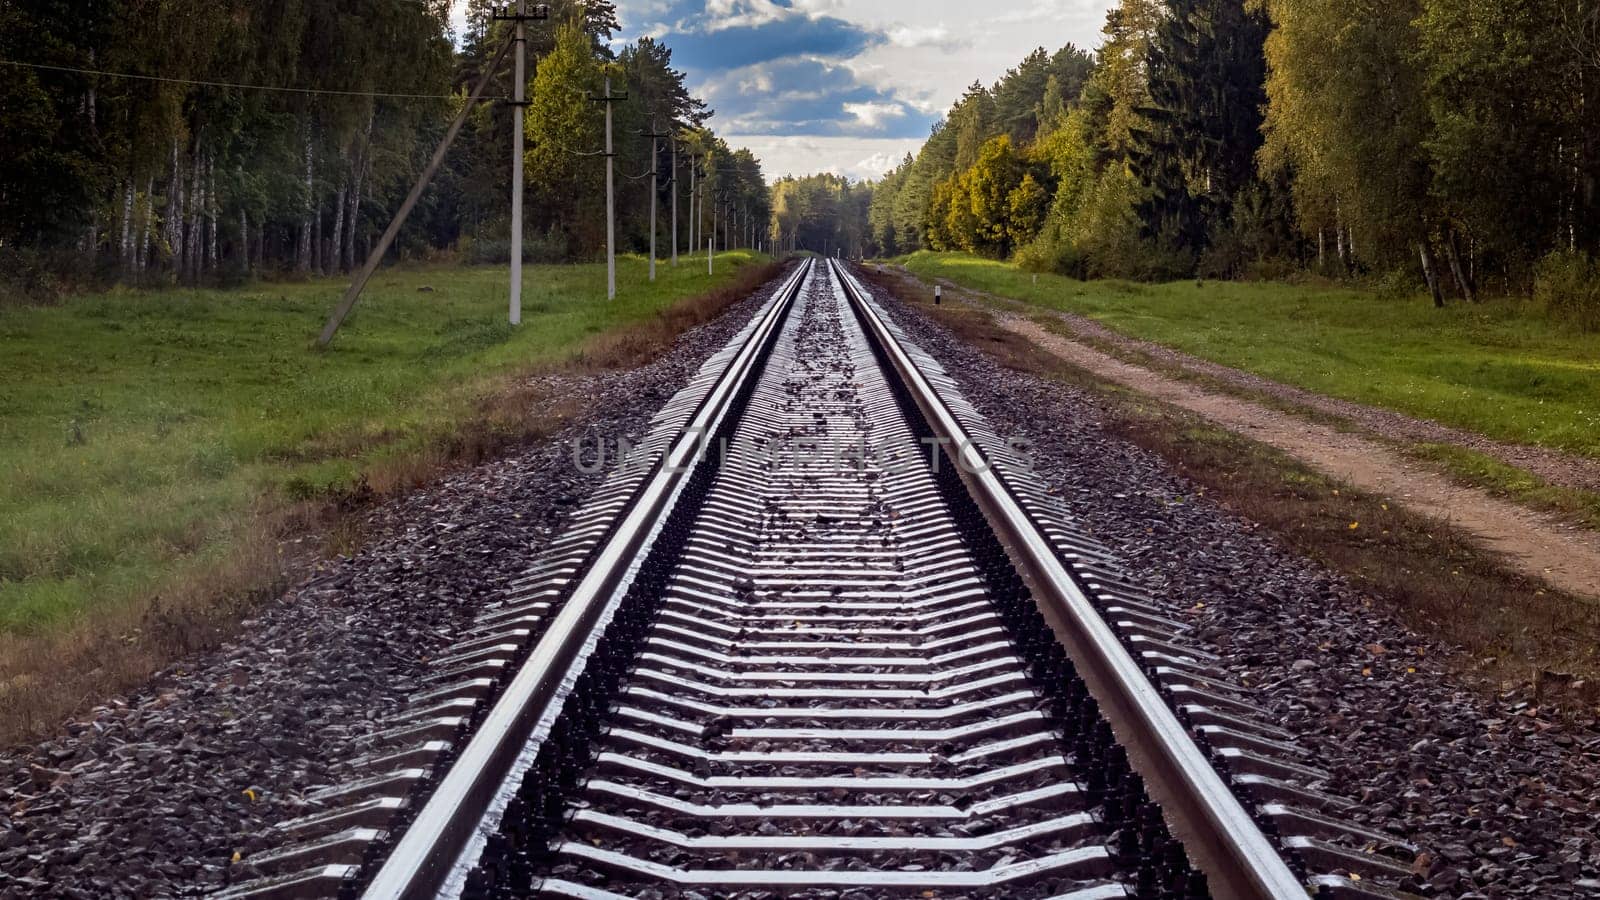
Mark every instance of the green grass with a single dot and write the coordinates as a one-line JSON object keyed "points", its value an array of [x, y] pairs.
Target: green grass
{"points": [[1504, 480], [140, 431], [1498, 368]]}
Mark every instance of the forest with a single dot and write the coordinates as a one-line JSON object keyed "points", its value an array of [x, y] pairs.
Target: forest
{"points": [[159, 142], [1450, 145]]}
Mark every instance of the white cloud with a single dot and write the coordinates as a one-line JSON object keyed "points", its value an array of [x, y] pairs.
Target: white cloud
{"points": [[925, 36], [871, 115], [727, 14], [930, 52], [858, 158]]}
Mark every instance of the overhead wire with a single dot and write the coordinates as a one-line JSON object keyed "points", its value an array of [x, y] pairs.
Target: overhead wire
{"points": [[231, 85]]}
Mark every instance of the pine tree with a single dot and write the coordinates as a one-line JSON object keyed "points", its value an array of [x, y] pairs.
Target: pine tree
{"points": [[1197, 153]]}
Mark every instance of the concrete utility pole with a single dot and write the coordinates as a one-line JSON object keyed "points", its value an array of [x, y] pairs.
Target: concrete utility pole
{"points": [[694, 171], [519, 87], [655, 191], [611, 100], [611, 203], [673, 183], [519, 106], [655, 194]]}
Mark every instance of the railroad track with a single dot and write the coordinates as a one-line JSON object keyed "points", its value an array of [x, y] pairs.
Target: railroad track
{"points": [[824, 634]]}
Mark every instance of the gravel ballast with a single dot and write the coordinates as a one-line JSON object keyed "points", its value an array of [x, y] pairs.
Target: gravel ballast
{"points": [[1500, 797], [152, 795]]}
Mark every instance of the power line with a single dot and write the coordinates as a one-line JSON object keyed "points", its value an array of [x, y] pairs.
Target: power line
{"points": [[228, 84]]}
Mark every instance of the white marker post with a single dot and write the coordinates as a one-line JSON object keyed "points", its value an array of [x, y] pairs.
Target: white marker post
{"points": [[938, 294]]}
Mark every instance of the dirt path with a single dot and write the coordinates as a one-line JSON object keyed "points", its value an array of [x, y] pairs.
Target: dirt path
{"points": [[1565, 556], [1554, 466]]}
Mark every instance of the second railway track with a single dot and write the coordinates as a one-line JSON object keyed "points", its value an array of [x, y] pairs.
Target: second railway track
{"points": [[827, 636]]}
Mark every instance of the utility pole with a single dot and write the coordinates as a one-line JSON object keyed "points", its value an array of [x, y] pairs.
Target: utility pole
{"points": [[611, 100], [519, 105], [673, 183], [655, 193], [697, 207]]}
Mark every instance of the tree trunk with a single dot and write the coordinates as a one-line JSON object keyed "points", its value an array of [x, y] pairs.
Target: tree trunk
{"points": [[91, 240], [1586, 191], [197, 198], [1430, 272], [171, 221], [350, 217], [316, 242], [1452, 250], [303, 250], [359, 177], [213, 210], [147, 212], [125, 246], [180, 212], [336, 240], [244, 240]]}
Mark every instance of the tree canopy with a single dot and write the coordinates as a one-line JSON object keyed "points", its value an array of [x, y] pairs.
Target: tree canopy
{"points": [[281, 135], [1451, 140]]}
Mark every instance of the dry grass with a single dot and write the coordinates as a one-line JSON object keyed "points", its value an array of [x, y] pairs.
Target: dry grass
{"points": [[647, 340], [1424, 572], [48, 675]]}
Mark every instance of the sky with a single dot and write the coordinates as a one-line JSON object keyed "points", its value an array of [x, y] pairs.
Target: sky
{"points": [[847, 86]]}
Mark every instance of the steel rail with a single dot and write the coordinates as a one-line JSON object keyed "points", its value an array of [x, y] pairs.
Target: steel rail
{"points": [[1221, 836], [427, 850]]}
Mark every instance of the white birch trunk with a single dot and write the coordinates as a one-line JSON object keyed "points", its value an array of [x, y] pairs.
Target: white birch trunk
{"points": [[169, 213], [353, 214], [303, 251], [336, 239], [125, 248], [192, 243], [214, 210], [147, 211], [180, 206]]}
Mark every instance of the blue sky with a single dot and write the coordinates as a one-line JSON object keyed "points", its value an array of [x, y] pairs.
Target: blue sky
{"points": [[847, 86]]}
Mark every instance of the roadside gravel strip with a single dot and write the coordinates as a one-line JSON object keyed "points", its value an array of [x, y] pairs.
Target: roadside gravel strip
{"points": [[1501, 799], [152, 796]]}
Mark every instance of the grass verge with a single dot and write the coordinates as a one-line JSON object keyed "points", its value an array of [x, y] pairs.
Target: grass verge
{"points": [[1498, 368], [1427, 574], [1463, 465], [158, 446], [1481, 470]]}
